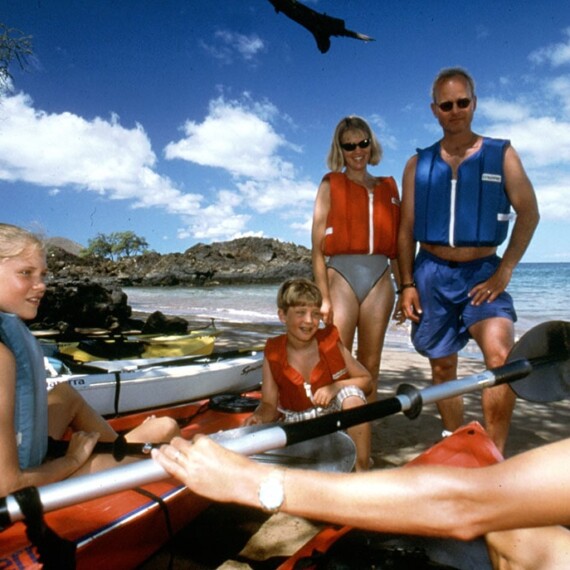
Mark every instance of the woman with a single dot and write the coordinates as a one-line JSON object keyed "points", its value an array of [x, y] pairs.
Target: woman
{"points": [[354, 236], [28, 413]]}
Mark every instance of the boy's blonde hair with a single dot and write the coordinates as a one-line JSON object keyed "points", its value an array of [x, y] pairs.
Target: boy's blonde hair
{"points": [[298, 292], [15, 240]]}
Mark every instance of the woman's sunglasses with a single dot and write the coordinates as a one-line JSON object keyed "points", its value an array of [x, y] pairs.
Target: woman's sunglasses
{"points": [[365, 143], [446, 106]]}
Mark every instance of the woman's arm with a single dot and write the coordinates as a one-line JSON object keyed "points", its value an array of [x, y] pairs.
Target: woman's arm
{"points": [[409, 300], [320, 213]]}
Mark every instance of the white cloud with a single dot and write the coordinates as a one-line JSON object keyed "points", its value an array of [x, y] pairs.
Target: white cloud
{"points": [[246, 46], [498, 110], [283, 194], [62, 149], [555, 54], [538, 124], [65, 151], [542, 141], [559, 88], [218, 220], [227, 44], [554, 198], [237, 137]]}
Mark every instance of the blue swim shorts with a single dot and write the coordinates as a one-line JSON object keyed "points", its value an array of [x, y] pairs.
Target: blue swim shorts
{"points": [[447, 313]]}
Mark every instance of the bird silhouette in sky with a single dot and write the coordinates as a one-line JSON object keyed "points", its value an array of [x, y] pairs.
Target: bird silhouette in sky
{"points": [[320, 25]]}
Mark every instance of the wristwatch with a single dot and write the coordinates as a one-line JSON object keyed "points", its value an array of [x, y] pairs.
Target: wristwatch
{"points": [[271, 492]]}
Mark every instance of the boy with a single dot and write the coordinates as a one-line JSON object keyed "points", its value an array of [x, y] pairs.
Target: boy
{"points": [[307, 371]]}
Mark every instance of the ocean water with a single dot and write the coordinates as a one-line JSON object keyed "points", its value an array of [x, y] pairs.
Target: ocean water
{"points": [[541, 292]]}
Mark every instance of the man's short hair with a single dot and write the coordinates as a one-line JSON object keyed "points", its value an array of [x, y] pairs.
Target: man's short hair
{"points": [[450, 73], [298, 292]]}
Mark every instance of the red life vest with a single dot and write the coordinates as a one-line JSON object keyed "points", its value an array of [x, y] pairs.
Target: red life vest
{"points": [[331, 367], [362, 221]]}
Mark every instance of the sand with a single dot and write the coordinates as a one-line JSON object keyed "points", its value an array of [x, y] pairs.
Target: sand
{"points": [[233, 537]]}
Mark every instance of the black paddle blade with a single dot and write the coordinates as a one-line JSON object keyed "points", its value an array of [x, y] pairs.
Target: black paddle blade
{"points": [[547, 347]]}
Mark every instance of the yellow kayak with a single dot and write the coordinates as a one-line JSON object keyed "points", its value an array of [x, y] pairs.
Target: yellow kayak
{"points": [[140, 346]]}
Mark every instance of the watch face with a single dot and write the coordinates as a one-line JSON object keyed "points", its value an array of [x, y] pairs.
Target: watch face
{"points": [[271, 493]]}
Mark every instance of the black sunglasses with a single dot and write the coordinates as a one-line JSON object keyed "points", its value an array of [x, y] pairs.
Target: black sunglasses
{"points": [[446, 106], [364, 143]]}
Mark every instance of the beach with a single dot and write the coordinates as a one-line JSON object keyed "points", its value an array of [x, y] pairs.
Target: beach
{"points": [[234, 537]]}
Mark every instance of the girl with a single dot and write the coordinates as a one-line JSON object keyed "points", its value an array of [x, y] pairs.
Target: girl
{"points": [[28, 413]]}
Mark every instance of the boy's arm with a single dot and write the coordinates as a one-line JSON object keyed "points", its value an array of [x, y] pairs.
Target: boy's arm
{"points": [[359, 376], [267, 410]]}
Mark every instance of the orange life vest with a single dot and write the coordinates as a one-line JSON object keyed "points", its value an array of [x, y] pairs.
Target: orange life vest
{"points": [[331, 367], [362, 221]]}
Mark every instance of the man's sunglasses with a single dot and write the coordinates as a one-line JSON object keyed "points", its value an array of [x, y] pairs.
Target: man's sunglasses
{"points": [[364, 143], [446, 106]]}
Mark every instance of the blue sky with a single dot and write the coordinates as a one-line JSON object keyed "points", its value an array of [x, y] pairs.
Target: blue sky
{"points": [[192, 121]]}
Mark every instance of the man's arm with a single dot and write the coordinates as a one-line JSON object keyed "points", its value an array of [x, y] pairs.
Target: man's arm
{"points": [[528, 490], [523, 199]]}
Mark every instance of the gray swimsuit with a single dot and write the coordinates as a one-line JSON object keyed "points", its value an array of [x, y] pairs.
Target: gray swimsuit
{"points": [[361, 272]]}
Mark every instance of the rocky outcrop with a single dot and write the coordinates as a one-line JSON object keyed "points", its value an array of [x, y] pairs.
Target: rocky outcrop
{"points": [[69, 305], [86, 292], [237, 262]]}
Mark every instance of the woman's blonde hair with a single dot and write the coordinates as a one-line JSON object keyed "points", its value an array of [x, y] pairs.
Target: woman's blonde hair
{"points": [[335, 159], [298, 292], [15, 240]]}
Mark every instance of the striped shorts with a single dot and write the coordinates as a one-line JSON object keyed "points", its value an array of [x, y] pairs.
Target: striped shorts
{"points": [[335, 406]]}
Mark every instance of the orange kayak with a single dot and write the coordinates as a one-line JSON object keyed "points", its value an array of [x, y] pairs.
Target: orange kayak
{"points": [[345, 547], [124, 529]]}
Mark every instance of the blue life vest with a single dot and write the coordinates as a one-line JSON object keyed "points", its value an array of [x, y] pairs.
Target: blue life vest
{"points": [[30, 411], [474, 213]]}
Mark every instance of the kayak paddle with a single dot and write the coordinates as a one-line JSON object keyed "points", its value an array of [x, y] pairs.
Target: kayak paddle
{"points": [[547, 345]]}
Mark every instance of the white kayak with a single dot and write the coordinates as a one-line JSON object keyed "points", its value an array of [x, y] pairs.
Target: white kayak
{"points": [[138, 384]]}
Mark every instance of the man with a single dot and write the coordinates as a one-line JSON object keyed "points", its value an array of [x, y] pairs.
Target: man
{"points": [[456, 200]]}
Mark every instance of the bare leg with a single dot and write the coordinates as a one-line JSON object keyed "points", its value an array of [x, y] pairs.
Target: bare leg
{"points": [[68, 409], [154, 430], [371, 318], [451, 409], [345, 306], [495, 337], [361, 435], [547, 548], [374, 316]]}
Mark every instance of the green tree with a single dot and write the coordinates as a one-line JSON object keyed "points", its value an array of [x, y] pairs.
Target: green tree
{"points": [[14, 46], [116, 245], [99, 246], [128, 243]]}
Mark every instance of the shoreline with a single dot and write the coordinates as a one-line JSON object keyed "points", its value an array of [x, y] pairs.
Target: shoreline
{"points": [[239, 334]]}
